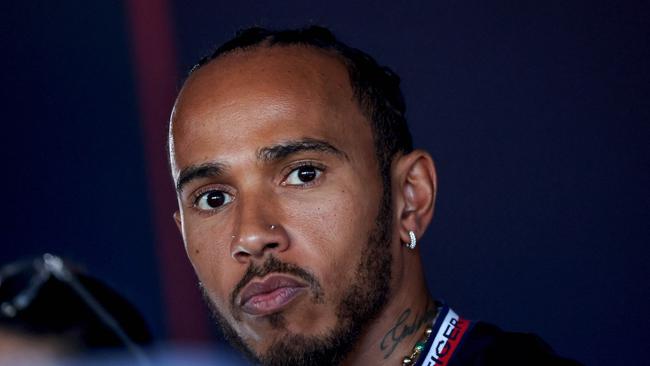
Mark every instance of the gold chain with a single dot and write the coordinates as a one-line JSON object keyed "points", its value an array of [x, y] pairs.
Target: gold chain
{"points": [[419, 347]]}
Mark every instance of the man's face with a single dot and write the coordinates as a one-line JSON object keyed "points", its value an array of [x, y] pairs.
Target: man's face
{"points": [[281, 204]]}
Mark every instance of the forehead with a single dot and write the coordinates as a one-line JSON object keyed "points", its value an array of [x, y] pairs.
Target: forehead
{"points": [[249, 99]]}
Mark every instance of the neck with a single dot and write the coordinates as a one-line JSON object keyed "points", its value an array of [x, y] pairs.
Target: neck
{"points": [[398, 327]]}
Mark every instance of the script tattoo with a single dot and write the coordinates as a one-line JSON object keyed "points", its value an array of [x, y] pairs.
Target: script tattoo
{"points": [[403, 329]]}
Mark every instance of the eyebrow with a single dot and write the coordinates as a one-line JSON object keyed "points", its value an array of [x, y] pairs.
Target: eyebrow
{"points": [[266, 154], [193, 172], [287, 148]]}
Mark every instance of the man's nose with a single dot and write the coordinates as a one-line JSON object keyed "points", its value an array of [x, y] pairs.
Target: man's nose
{"points": [[259, 231]]}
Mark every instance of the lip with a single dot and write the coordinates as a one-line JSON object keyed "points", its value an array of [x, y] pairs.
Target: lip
{"points": [[269, 295]]}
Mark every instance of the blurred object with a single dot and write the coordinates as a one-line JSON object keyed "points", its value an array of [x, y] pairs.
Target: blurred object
{"points": [[48, 310], [167, 354]]}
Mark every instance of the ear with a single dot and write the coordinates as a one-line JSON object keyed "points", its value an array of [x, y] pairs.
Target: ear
{"points": [[177, 220], [414, 189]]}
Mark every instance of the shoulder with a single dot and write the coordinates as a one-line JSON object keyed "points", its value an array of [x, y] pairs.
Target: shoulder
{"points": [[485, 344]]}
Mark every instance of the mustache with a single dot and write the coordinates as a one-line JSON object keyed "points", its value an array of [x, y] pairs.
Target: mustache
{"points": [[274, 265]]}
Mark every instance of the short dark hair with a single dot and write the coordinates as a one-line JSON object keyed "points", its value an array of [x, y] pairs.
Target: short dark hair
{"points": [[375, 87]]}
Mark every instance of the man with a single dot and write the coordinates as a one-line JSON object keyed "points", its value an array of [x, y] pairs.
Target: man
{"points": [[301, 201]]}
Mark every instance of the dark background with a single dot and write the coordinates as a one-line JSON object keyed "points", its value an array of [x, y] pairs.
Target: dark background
{"points": [[537, 114]]}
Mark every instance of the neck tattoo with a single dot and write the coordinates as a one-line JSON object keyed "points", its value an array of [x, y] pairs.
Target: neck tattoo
{"points": [[403, 328]]}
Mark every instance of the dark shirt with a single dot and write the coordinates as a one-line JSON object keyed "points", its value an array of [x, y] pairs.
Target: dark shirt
{"points": [[455, 341]]}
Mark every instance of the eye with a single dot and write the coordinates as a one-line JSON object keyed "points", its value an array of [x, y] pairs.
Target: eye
{"points": [[302, 175], [211, 200]]}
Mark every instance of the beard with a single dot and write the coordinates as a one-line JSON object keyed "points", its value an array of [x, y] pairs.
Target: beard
{"points": [[360, 304]]}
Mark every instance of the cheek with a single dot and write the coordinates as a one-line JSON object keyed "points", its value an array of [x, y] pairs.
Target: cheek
{"points": [[207, 248], [202, 237], [329, 233]]}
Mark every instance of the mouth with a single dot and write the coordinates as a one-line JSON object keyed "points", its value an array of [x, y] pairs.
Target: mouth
{"points": [[269, 295]]}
